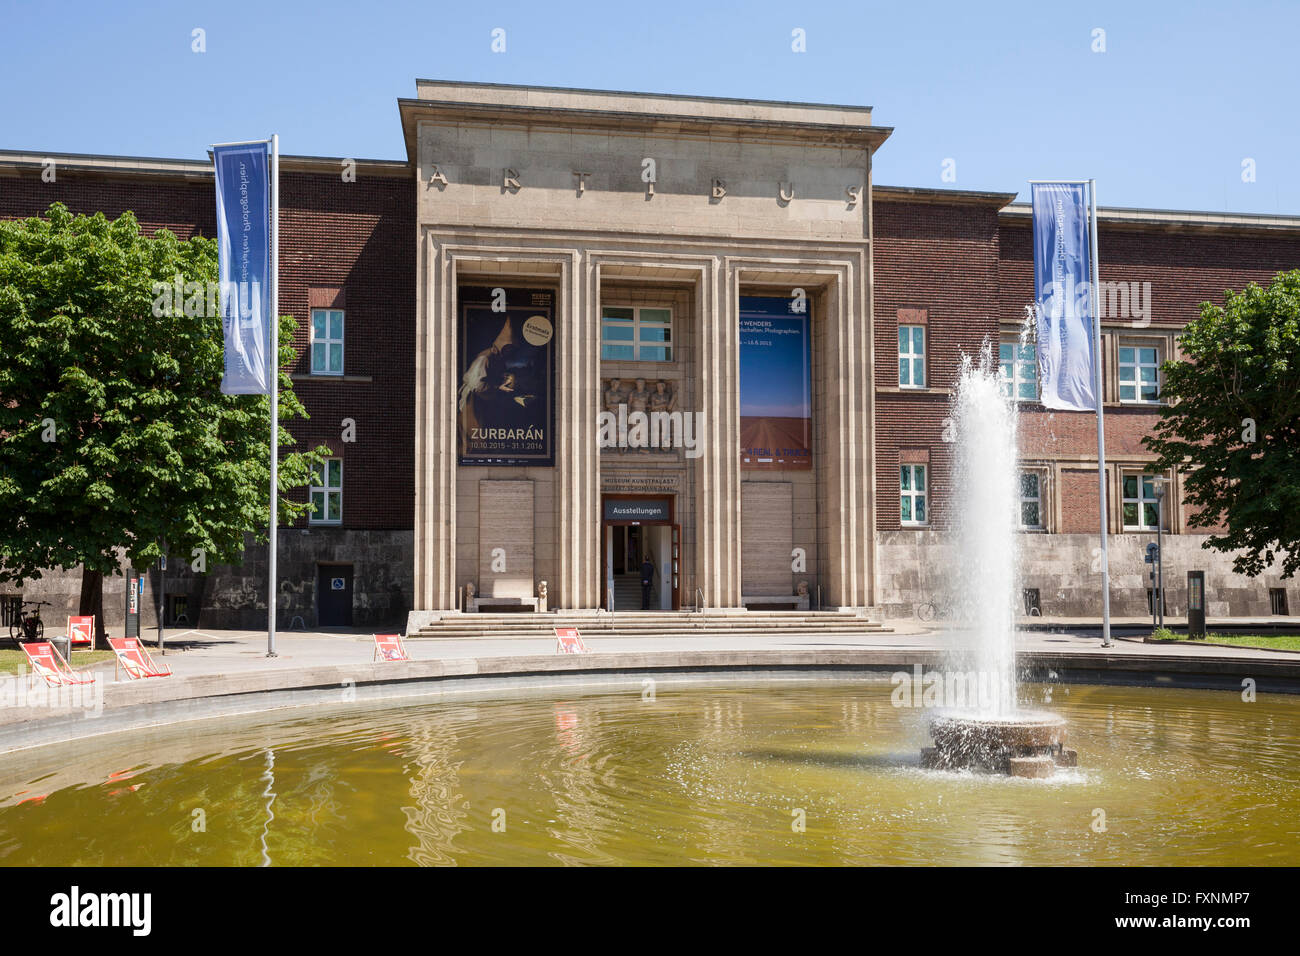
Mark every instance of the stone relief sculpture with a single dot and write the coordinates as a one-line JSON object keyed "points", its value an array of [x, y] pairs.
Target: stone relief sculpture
{"points": [[639, 401], [645, 396], [663, 398], [615, 395]]}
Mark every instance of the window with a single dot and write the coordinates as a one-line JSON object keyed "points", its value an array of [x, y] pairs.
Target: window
{"points": [[636, 335], [1140, 505], [911, 494], [1277, 601], [327, 341], [327, 492], [911, 356], [1139, 373], [1031, 500], [1019, 370]]}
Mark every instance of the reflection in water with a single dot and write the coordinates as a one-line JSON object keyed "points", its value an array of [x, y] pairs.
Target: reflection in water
{"points": [[701, 773], [441, 810], [577, 776], [269, 793]]}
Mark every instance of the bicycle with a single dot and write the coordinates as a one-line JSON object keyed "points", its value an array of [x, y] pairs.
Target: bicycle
{"points": [[29, 627], [930, 610]]}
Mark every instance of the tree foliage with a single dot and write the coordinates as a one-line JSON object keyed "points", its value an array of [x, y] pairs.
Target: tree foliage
{"points": [[1234, 423], [114, 433]]}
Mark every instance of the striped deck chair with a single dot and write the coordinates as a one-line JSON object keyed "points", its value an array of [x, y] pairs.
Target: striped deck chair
{"points": [[81, 631], [49, 664], [569, 641], [134, 659], [389, 647]]}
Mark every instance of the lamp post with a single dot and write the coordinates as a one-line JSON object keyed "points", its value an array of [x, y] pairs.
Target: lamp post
{"points": [[1158, 598]]}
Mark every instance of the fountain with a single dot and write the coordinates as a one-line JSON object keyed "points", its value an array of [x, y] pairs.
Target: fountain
{"points": [[990, 732]]}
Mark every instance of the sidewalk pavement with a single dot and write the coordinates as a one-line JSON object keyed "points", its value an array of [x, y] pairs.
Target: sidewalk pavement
{"points": [[197, 653]]}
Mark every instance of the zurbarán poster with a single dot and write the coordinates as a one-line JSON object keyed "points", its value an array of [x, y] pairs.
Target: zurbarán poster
{"points": [[775, 383], [244, 264], [505, 406]]}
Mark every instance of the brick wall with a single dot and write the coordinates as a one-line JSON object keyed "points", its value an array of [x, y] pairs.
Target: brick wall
{"points": [[941, 259], [359, 237], [967, 273], [356, 236], [1184, 269]]}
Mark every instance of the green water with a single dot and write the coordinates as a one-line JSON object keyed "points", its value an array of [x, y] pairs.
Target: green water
{"points": [[704, 773]]}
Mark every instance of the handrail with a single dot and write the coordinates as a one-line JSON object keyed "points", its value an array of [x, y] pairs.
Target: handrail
{"points": [[609, 600], [699, 600]]}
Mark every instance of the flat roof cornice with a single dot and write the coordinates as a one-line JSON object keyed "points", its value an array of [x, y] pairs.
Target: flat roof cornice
{"points": [[570, 97], [1021, 213], [198, 169], [930, 195], [829, 128]]}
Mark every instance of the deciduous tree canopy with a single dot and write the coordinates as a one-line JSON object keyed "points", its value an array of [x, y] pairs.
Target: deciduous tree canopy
{"points": [[114, 433], [1233, 423]]}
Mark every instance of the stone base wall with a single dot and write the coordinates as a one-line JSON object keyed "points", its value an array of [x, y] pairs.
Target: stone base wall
{"points": [[234, 596], [1061, 566]]}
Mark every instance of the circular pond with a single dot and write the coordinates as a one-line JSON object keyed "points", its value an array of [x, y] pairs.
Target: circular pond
{"points": [[748, 771]]}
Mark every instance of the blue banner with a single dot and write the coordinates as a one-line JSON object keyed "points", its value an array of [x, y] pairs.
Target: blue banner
{"points": [[1062, 287], [775, 383], [244, 264]]}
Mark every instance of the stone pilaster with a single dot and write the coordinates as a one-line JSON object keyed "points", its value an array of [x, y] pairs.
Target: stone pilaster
{"points": [[717, 482], [846, 363], [577, 454], [435, 433]]}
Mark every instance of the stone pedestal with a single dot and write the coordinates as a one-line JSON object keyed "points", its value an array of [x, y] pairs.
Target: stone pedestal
{"points": [[1031, 744]]}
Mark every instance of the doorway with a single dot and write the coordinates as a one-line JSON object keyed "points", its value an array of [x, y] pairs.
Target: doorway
{"points": [[334, 595], [635, 531]]}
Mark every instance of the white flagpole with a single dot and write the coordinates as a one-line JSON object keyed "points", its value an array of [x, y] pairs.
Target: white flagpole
{"points": [[273, 361], [1101, 430]]}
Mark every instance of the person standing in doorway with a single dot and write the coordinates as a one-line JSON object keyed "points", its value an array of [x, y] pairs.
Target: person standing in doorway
{"points": [[647, 582]]}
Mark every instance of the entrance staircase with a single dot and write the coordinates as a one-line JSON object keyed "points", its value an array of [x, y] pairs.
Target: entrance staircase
{"points": [[651, 624], [627, 592]]}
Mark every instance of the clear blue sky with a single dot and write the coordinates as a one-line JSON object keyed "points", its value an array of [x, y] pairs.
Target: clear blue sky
{"points": [[1010, 91]]}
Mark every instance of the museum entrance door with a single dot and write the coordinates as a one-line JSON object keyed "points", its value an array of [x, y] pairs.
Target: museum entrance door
{"points": [[636, 529]]}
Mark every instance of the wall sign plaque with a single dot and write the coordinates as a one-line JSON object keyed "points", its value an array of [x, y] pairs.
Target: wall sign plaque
{"points": [[640, 484]]}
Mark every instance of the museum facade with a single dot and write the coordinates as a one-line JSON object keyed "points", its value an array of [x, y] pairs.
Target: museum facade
{"points": [[586, 339]]}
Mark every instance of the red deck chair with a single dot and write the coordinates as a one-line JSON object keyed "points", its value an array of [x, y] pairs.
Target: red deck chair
{"points": [[389, 647], [81, 630], [50, 665], [569, 641], [135, 660]]}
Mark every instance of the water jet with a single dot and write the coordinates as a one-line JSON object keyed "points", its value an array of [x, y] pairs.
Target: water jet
{"points": [[996, 735]]}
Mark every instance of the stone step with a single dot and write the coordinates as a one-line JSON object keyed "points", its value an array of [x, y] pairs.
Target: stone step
{"points": [[588, 625], [559, 619], [685, 624], [611, 635], [678, 625], [662, 629]]}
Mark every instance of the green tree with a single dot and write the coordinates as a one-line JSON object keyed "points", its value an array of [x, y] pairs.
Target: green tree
{"points": [[115, 438], [1234, 423]]}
